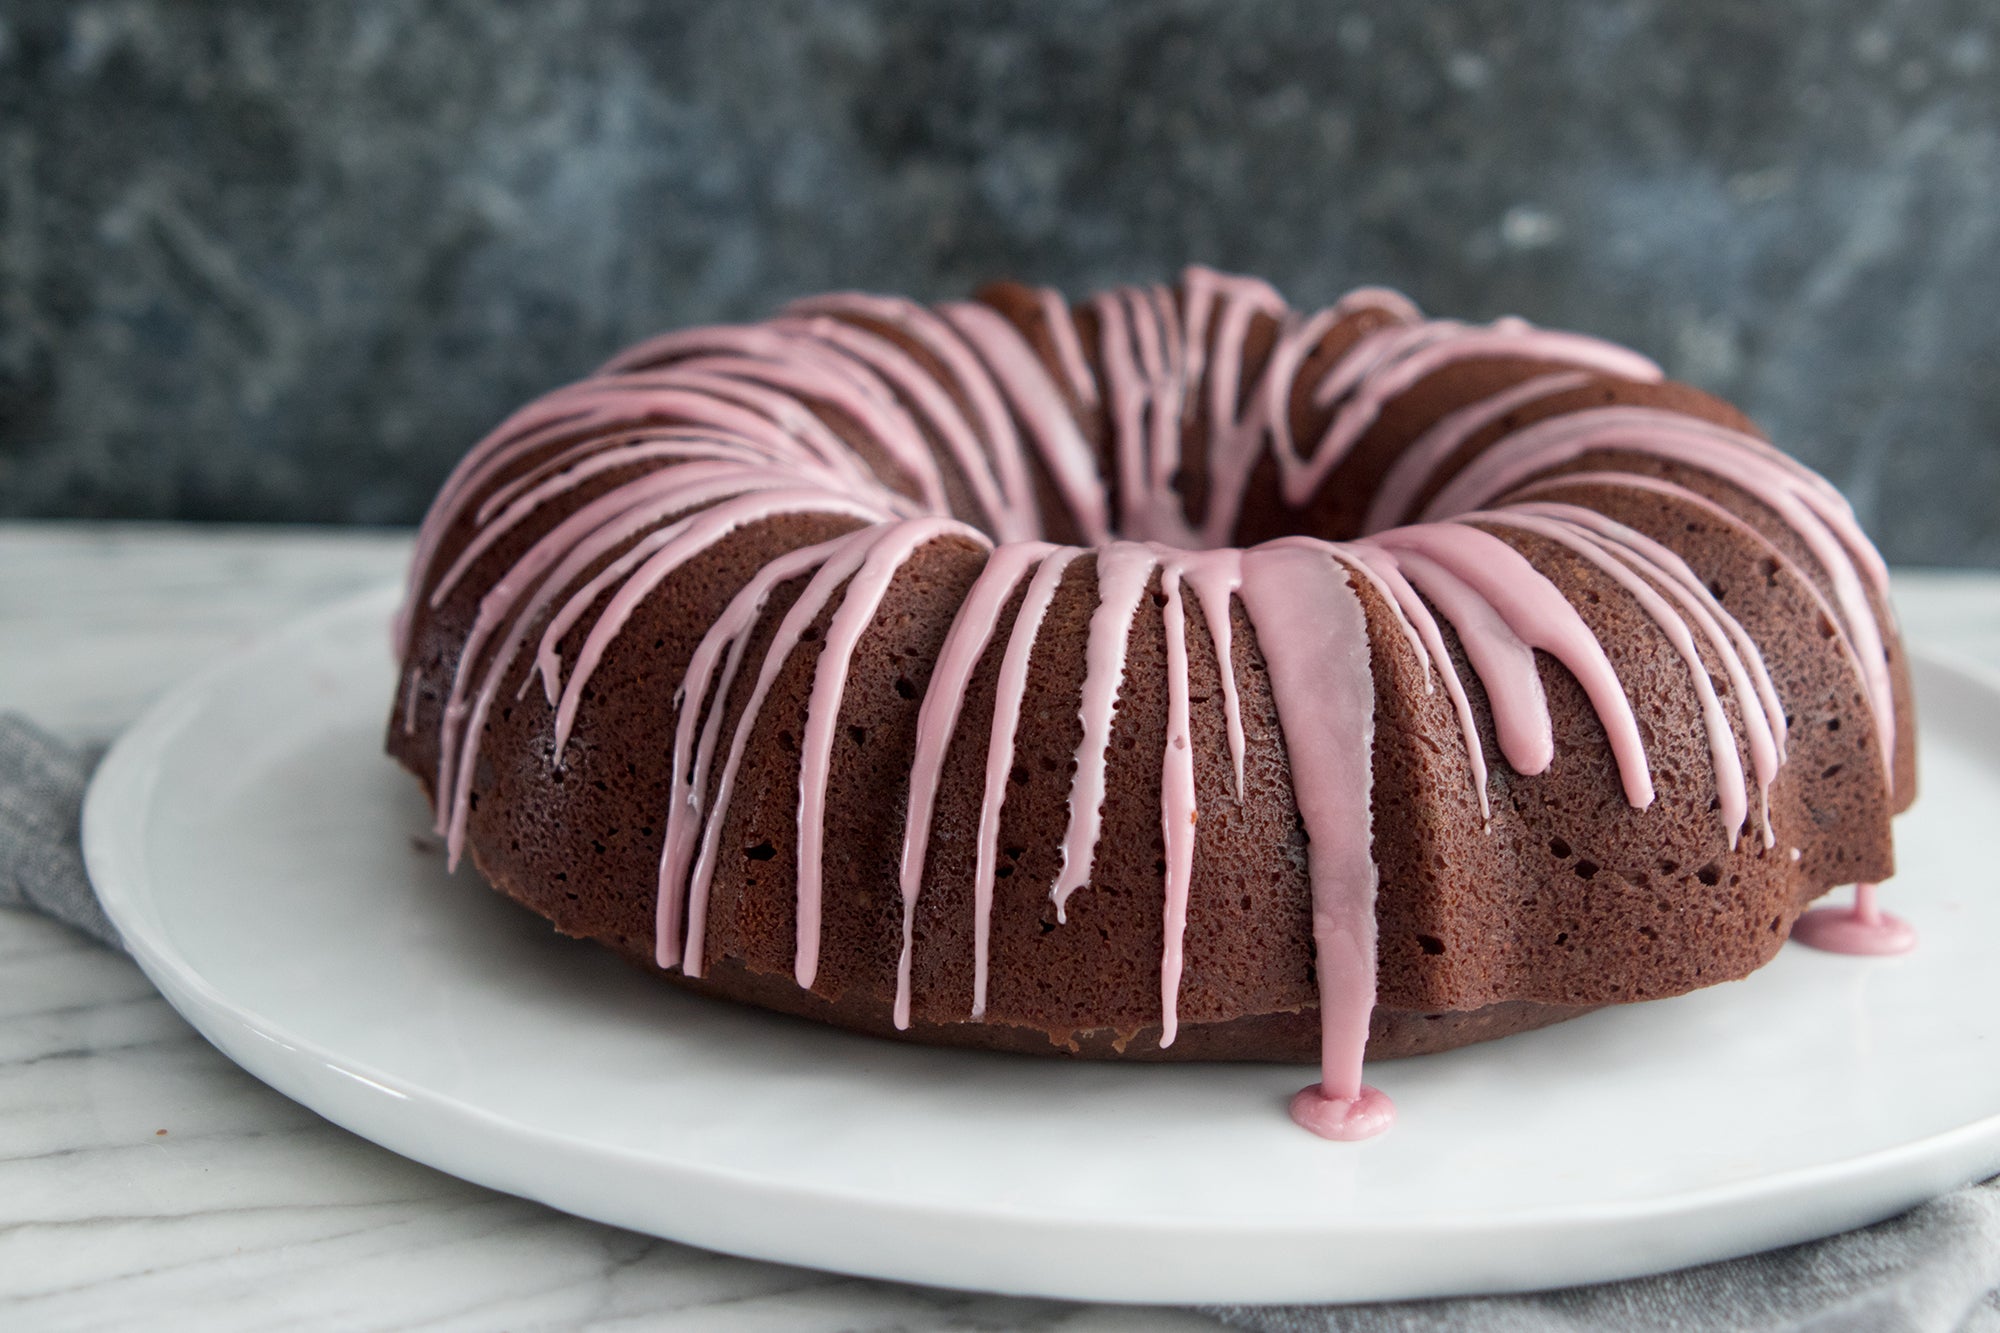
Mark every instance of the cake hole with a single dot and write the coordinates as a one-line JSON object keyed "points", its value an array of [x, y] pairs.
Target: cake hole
{"points": [[810, 634], [1770, 568], [1649, 933], [1430, 944], [1048, 927], [1563, 938], [905, 688], [1019, 775], [1669, 867], [1831, 771], [1559, 848], [763, 851], [1833, 724], [1710, 874], [859, 735], [1003, 872], [1716, 589], [1160, 599], [1586, 869], [1774, 924]]}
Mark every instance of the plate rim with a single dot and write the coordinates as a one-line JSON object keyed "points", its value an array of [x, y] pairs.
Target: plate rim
{"points": [[114, 826]]}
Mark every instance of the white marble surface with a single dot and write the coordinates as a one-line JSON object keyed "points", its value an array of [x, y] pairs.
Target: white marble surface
{"points": [[146, 1182]]}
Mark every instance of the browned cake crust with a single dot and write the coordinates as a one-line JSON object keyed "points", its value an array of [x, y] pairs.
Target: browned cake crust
{"points": [[1571, 900]]}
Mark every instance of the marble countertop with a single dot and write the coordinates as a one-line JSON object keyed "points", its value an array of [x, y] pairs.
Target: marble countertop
{"points": [[144, 1178]]}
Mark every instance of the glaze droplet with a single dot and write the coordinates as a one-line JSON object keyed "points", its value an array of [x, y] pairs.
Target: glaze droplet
{"points": [[1343, 1118], [1863, 929]]}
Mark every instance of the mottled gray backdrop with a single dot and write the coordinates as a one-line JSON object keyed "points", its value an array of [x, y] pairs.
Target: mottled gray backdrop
{"points": [[284, 261]]}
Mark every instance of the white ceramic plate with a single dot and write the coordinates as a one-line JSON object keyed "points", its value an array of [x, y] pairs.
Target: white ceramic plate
{"points": [[275, 876]]}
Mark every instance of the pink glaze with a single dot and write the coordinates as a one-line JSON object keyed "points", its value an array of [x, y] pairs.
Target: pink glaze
{"points": [[856, 612], [1061, 326], [845, 560], [1123, 569], [1724, 755], [1863, 929], [1008, 692], [1009, 512], [1315, 639], [1063, 450], [695, 435], [717, 659], [1824, 524], [1343, 1119], [971, 631], [1178, 810], [1215, 576], [1529, 606], [1436, 657]]}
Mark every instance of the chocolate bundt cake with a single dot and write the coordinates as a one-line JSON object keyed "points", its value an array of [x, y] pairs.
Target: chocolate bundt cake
{"points": [[1176, 676]]}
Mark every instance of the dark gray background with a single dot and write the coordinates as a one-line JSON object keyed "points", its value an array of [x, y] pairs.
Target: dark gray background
{"points": [[278, 261]]}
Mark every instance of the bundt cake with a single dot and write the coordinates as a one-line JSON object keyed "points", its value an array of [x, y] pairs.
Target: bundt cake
{"points": [[1175, 676]]}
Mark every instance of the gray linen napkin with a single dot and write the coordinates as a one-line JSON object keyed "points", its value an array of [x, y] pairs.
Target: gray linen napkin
{"points": [[41, 826], [1933, 1269]]}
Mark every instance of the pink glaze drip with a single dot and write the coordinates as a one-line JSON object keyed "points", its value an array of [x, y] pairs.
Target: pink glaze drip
{"points": [[966, 642], [1724, 755], [1342, 1119], [841, 565], [857, 611], [716, 661], [1030, 392], [1519, 597], [990, 421], [1437, 657], [1315, 641], [1009, 690], [1123, 569], [694, 435], [1863, 928], [1061, 326], [1750, 683], [1821, 520], [1215, 576], [1178, 812], [1012, 516]]}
